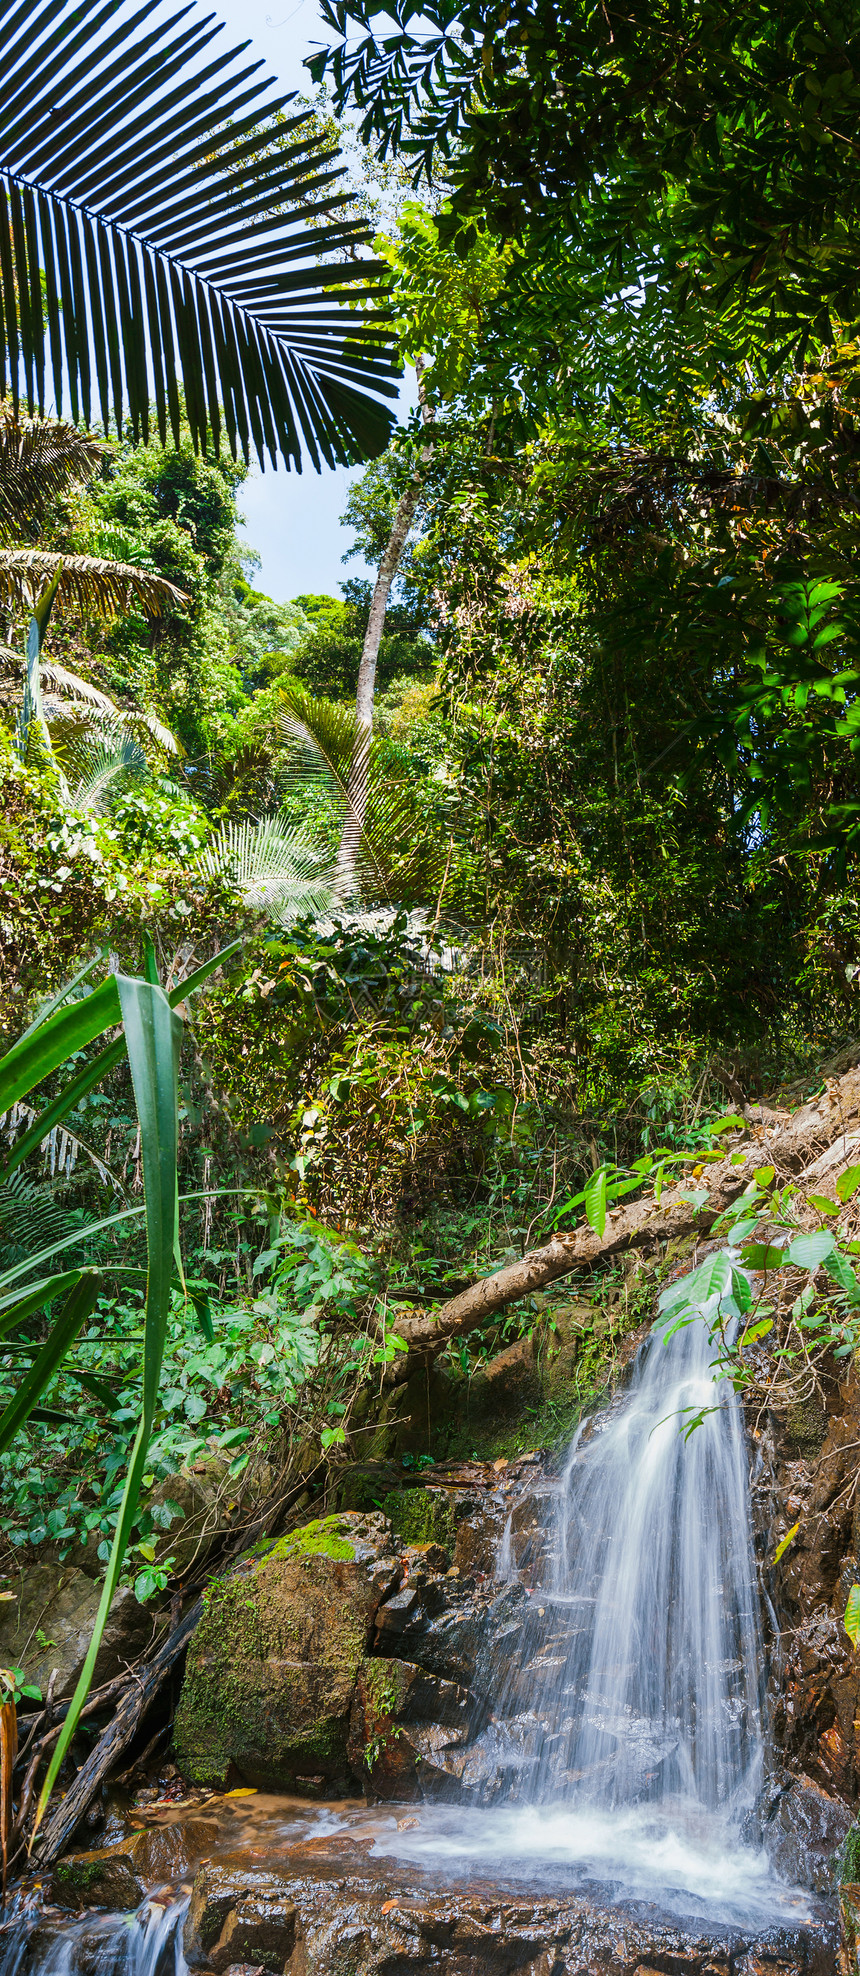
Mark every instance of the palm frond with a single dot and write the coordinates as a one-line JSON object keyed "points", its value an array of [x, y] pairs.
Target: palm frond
{"points": [[86, 696], [39, 460], [152, 232], [399, 858], [92, 584], [278, 870], [93, 762]]}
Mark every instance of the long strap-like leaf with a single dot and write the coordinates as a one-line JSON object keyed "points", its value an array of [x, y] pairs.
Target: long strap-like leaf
{"points": [[63, 1333], [72, 1028], [92, 1073], [153, 1033]]}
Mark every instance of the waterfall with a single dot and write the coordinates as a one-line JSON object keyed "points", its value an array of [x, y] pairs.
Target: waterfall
{"points": [[658, 1689], [145, 1943]]}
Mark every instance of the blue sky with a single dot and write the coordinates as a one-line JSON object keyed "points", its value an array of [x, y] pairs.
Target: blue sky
{"points": [[291, 519]]}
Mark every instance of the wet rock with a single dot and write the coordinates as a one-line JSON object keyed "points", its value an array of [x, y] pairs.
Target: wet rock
{"points": [[97, 1879], [422, 1516], [273, 1665], [163, 1853], [335, 1909], [239, 1915], [50, 1623], [804, 1835], [407, 1728]]}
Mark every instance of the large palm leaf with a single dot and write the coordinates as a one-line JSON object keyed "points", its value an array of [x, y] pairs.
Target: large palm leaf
{"points": [[96, 585], [149, 238], [277, 869], [39, 460], [398, 857]]}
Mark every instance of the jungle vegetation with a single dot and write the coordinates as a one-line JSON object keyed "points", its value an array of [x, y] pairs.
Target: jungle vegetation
{"points": [[602, 807]]}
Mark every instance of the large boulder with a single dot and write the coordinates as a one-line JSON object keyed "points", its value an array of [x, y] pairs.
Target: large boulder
{"points": [[48, 1624], [272, 1667]]}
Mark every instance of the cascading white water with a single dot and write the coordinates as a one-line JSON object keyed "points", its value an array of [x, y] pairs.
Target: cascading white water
{"points": [[658, 1690], [641, 1707]]}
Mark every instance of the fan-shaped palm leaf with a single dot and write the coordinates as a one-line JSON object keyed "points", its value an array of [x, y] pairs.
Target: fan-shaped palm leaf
{"points": [[93, 584], [149, 235], [397, 854], [278, 870], [39, 460]]}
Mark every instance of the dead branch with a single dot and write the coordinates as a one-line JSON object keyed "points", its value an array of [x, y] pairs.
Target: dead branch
{"points": [[787, 1142]]}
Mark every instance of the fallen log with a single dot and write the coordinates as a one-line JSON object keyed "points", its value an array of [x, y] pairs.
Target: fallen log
{"points": [[788, 1142], [58, 1828]]}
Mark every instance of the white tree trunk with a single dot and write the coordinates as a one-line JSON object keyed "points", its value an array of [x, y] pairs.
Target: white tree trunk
{"points": [[350, 842]]}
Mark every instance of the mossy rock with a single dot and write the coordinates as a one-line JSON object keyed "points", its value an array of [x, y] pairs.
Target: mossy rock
{"points": [[272, 1666], [97, 1879], [421, 1516]]}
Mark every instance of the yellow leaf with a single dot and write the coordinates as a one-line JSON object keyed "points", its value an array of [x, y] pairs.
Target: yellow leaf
{"points": [[244, 1791], [787, 1539]]}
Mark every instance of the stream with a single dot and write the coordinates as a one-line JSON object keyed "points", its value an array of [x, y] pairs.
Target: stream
{"points": [[646, 1734]]}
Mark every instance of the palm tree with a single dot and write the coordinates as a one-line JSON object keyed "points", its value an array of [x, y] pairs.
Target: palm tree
{"points": [[151, 238], [39, 460]]}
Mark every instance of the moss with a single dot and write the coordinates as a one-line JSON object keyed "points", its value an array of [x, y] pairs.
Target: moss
{"points": [[806, 1427], [850, 1863], [324, 1538], [80, 1873], [420, 1516]]}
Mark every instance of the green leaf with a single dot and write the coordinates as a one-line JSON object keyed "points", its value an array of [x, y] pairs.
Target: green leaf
{"points": [[595, 1201], [152, 1033], [65, 1329], [823, 1204], [763, 1255], [731, 1123], [44, 1049], [848, 1183], [764, 1175], [842, 1273], [809, 1251], [852, 1615]]}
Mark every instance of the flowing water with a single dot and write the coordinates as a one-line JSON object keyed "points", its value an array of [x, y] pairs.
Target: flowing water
{"points": [[659, 1689], [644, 1708], [649, 1686]]}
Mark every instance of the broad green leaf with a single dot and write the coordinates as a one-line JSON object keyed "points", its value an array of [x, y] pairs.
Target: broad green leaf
{"points": [[763, 1255], [787, 1539], [713, 1278], [69, 1029], [731, 1123], [848, 1183], [62, 993], [65, 1329], [595, 1201], [811, 1250], [852, 1615], [842, 1273], [153, 1033], [92, 1073], [822, 1204], [764, 1175]]}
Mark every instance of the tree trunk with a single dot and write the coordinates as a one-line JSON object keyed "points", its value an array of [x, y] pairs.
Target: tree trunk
{"points": [[359, 775], [793, 1145]]}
